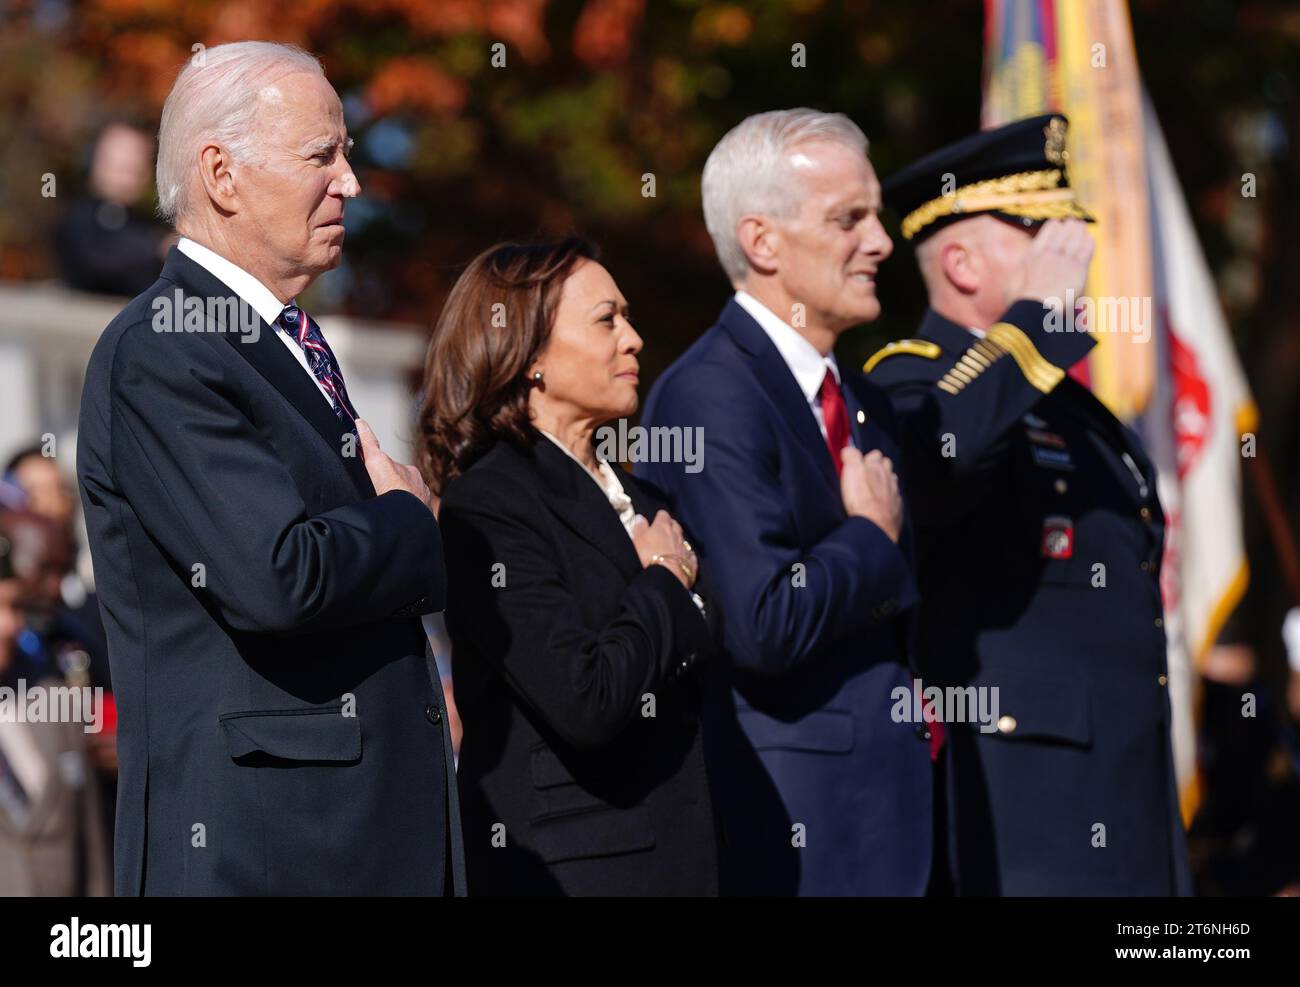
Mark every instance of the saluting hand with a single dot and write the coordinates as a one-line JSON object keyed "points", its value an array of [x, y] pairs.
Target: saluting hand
{"points": [[1054, 264]]}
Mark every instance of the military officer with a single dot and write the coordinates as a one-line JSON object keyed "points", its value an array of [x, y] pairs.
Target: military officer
{"points": [[1039, 537]]}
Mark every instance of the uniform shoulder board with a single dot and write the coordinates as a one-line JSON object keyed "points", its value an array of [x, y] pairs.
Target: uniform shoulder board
{"points": [[912, 347]]}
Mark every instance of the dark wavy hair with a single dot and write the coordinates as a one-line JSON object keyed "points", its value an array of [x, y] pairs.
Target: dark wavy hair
{"points": [[496, 321]]}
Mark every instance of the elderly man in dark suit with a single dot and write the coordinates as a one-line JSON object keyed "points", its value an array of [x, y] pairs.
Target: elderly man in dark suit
{"points": [[262, 564]]}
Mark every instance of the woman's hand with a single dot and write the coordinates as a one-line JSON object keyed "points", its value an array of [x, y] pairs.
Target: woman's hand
{"points": [[662, 543]]}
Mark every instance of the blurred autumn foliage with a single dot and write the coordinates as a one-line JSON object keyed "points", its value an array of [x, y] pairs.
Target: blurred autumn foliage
{"points": [[478, 120]]}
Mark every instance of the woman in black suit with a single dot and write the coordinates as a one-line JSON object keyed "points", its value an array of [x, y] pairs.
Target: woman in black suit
{"points": [[576, 631]]}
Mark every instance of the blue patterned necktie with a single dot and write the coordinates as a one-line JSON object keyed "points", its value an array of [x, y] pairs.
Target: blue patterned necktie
{"points": [[295, 324]]}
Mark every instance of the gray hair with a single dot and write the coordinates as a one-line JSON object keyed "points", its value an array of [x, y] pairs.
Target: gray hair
{"points": [[217, 96], [749, 172]]}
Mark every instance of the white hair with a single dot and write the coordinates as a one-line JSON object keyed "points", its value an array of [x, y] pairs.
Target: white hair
{"points": [[749, 172], [216, 97]]}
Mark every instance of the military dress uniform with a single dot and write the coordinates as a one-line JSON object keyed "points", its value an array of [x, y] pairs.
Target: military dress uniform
{"points": [[1039, 539]]}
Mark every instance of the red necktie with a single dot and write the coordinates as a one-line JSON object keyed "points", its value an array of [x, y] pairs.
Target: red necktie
{"points": [[836, 418], [937, 730]]}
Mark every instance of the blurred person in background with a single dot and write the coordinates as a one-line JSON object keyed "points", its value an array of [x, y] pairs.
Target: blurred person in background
{"points": [[1243, 838], [575, 629], [64, 622], [69, 610], [39, 556], [43, 484], [107, 243], [52, 836]]}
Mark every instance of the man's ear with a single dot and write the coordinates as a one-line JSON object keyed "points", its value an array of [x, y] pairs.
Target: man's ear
{"points": [[960, 266], [760, 241], [218, 182]]}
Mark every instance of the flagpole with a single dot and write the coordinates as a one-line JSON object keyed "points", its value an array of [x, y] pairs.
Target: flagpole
{"points": [[1264, 485]]}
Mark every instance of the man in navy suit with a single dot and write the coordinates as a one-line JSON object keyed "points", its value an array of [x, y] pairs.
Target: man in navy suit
{"points": [[262, 565], [822, 787]]}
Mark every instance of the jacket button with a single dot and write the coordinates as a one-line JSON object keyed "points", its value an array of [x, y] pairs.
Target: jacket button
{"points": [[1145, 514], [1163, 680], [1160, 622], [433, 714], [1145, 566], [1007, 724]]}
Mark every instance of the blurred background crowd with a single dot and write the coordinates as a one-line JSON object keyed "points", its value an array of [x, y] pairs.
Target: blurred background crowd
{"points": [[593, 115]]}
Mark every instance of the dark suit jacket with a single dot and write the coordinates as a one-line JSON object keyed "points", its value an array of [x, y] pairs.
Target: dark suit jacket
{"points": [[280, 728], [561, 644], [1073, 793], [821, 790]]}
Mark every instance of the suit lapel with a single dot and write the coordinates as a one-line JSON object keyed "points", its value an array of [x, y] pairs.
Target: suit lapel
{"points": [[866, 433], [272, 360], [778, 383], [645, 505], [269, 357], [853, 405], [576, 499]]}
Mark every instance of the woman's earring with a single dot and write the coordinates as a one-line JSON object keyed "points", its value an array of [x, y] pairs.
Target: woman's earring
{"points": [[537, 376]]}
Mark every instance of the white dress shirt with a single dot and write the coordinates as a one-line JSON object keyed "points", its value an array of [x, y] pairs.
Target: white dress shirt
{"points": [[808, 366], [253, 293]]}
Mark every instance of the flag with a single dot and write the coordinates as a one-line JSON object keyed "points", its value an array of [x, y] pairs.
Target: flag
{"points": [[1202, 417], [1077, 57]]}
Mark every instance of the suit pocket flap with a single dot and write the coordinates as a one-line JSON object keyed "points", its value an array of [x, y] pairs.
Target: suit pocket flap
{"points": [[826, 730], [294, 734], [1039, 708], [592, 833]]}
